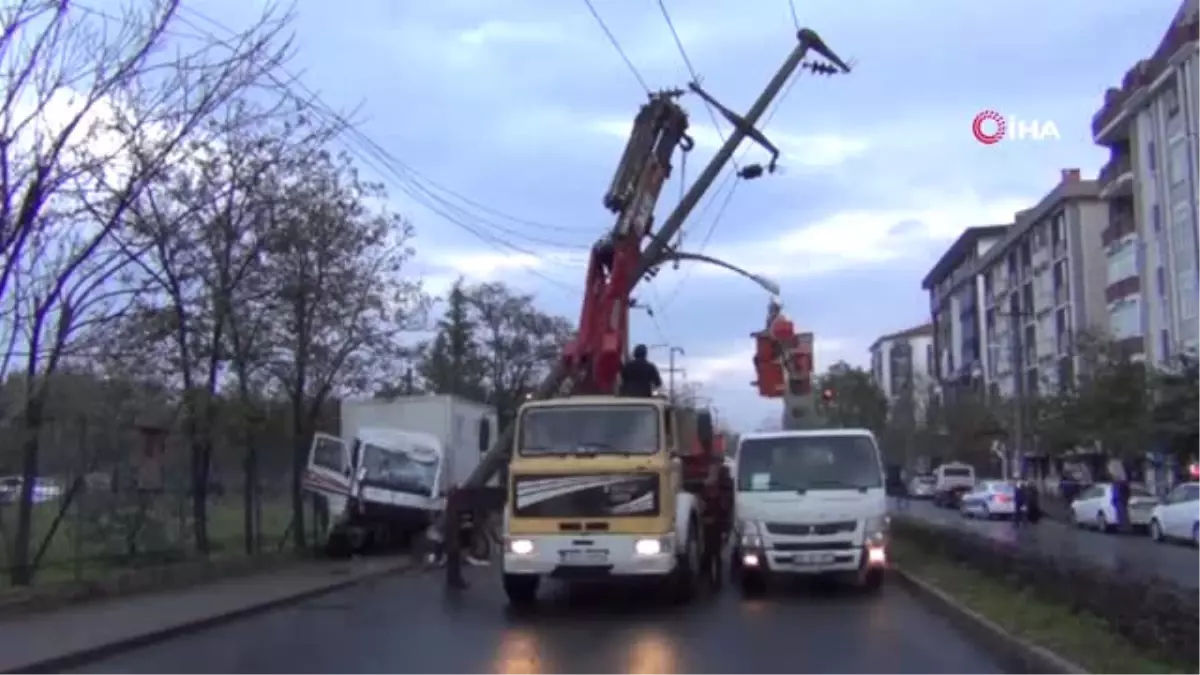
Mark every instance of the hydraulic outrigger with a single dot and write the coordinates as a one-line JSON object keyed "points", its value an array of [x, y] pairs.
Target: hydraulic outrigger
{"points": [[592, 360]]}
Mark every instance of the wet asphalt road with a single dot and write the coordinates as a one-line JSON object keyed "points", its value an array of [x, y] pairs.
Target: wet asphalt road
{"points": [[1133, 554], [407, 624]]}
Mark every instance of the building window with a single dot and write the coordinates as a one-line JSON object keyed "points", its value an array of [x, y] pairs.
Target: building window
{"points": [[1189, 303], [1125, 318], [1156, 217], [1122, 261], [1164, 337], [1171, 101], [1152, 157], [1178, 168]]}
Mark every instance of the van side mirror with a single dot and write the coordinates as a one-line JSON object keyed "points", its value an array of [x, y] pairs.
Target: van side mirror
{"points": [[704, 431], [485, 435]]}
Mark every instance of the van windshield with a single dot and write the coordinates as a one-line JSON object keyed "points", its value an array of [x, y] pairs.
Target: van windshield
{"points": [[956, 472], [809, 463], [590, 430]]}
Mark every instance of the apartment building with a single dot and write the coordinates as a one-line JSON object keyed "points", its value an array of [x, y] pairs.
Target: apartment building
{"points": [[1044, 281], [902, 366], [955, 298], [1149, 125]]}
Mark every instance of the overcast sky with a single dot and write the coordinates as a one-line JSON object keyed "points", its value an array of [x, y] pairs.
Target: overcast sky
{"points": [[522, 106]]}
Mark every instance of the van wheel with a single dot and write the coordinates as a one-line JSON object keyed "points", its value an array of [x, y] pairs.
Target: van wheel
{"points": [[753, 582], [1156, 532], [872, 581], [521, 589]]}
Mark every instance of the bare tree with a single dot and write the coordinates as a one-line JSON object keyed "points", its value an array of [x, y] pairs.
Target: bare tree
{"points": [[342, 301], [94, 108]]}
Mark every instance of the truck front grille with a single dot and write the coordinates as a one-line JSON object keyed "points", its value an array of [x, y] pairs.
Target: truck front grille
{"points": [[807, 530]]}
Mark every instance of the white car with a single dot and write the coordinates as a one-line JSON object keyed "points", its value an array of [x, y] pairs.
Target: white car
{"points": [[989, 499], [1094, 508], [1178, 516], [922, 487]]}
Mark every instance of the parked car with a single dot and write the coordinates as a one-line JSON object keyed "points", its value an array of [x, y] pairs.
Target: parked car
{"points": [[921, 487], [1093, 507], [1178, 516], [989, 499], [44, 490]]}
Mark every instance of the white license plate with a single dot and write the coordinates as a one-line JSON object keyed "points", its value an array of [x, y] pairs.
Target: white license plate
{"points": [[814, 558], [594, 557]]}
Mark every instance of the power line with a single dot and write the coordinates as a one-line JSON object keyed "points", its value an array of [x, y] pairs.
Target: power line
{"points": [[732, 189], [687, 61], [617, 46], [370, 153]]}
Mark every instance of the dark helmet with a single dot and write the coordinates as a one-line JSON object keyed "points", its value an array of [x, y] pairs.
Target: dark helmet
{"points": [[639, 352]]}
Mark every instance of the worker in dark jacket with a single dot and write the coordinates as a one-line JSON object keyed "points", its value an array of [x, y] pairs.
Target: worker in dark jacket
{"points": [[639, 377]]}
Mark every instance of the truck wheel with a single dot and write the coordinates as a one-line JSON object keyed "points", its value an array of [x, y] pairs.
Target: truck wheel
{"points": [[521, 589], [687, 568]]}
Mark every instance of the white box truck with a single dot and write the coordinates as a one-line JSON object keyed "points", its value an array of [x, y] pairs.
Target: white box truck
{"points": [[385, 476]]}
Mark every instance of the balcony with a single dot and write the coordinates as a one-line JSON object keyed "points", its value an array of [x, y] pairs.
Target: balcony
{"points": [[1060, 249], [1144, 73], [1116, 177]]}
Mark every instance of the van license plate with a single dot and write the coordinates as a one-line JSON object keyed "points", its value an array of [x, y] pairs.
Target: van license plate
{"points": [[586, 557], [814, 558]]}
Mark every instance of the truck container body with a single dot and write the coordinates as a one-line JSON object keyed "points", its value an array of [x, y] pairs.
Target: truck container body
{"points": [[386, 473]]}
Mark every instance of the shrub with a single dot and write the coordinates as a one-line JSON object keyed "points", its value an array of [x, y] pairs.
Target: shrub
{"points": [[1153, 613]]}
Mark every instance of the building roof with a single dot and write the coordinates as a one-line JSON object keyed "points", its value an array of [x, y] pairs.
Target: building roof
{"points": [[924, 329], [960, 250], [1069, 189]]}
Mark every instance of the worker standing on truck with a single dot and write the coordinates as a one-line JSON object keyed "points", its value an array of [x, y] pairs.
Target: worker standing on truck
{"points": [[639, 377]]}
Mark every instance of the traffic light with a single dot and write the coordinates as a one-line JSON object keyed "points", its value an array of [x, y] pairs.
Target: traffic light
{"points": [[827, 395]]}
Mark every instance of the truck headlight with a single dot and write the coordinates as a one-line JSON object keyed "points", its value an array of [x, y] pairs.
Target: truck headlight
{"points": [[648, 546], [520, 546], [875, 529]]}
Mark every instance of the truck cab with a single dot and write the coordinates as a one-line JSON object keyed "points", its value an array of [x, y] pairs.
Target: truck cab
{"points": [[810, 502], [597, 491]]}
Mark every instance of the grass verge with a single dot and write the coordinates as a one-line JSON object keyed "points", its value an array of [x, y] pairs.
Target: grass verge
{"points": [[1083, 639]]}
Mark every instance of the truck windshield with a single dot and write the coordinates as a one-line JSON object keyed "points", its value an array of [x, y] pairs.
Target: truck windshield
{"points": [[397, 470], [590, 430], [804, 463]]}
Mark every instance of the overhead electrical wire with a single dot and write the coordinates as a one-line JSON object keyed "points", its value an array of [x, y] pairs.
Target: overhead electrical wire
{"points": [[795, 14], [419, 188], [617, 46]]}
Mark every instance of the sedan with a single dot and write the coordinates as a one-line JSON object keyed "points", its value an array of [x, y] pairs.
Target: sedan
{"points": [[921, 487], [989, 499], [1094, 507], [1178, 517]]}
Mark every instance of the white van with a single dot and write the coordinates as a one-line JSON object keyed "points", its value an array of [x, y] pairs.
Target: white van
{"points": [[810, 502], [950, 482]]}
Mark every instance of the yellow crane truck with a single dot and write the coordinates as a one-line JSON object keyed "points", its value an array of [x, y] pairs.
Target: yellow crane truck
{"points": [[607, 487]]}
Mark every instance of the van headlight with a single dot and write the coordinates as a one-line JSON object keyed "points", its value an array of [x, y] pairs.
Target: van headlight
{"points": [[751, 534], [520, 546], [875, 530]]}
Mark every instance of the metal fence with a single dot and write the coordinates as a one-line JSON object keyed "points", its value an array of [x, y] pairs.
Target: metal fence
{"points": [[115, 495]]}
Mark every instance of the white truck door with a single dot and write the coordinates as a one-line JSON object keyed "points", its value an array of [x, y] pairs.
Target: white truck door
{"points": [[329, 465]]}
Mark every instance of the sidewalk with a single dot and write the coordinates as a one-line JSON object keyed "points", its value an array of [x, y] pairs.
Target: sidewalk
{"points": [[53, 641]]}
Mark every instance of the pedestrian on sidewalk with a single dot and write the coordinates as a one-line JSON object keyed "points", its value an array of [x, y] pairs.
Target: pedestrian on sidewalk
{"points": [[1018, 502], [1120, 492]]}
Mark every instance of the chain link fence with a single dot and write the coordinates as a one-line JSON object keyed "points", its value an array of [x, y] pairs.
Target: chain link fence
{"points": [[115, 494]]}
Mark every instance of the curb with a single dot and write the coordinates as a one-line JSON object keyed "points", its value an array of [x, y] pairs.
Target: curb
{"points": [[1016, 654], [77, 658]]}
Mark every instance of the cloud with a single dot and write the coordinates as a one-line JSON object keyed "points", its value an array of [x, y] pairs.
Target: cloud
{"points": [[856, 238]]}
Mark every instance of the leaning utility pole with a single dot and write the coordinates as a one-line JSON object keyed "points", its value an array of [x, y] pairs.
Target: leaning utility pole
{"points": [[658, 249]]}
